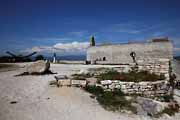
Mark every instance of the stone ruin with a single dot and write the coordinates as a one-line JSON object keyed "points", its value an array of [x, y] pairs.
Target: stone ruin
{"points": [[154, 56]]}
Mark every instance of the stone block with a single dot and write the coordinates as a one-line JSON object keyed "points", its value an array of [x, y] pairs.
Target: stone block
{"points": [[106, 82], [91, 81], [78, 82], [64, 82]]}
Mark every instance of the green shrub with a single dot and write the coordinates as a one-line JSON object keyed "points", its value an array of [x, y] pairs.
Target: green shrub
{"points": [[164, 98], [110, 75], [94, 90], [132, 76]]}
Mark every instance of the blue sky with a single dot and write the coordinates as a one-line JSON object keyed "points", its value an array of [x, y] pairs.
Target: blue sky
{"points": [[58, 25]]}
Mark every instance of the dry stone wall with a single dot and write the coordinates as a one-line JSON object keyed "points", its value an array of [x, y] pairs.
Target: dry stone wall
{"points": [[148, 89], [157, 66]]}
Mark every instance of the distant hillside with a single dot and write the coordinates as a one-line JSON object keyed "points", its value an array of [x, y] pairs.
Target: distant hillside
{"points": [[177, 58], [68, 57]]}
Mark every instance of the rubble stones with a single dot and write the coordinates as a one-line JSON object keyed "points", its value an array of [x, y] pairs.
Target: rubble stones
{"points": [[146, 106]]}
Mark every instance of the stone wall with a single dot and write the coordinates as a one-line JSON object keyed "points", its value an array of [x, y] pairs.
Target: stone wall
{"points": [[148, 89], [158, 66]]}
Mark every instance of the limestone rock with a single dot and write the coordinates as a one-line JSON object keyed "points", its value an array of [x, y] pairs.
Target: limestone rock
{"points": [[146, 106], [106, 82], [38, 67], [64, 82]]}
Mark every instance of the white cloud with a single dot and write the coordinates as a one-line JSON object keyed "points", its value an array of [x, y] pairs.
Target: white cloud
{"points": [[38, 49], [53, 38], [61, 47], [72, 46], [176, 49], [128, 31]]}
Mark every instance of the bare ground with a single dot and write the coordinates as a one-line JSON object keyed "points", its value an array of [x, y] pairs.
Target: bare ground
{"points": [[35, 100]]}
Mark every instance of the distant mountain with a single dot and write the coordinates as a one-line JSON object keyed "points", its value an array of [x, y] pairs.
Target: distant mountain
{"points": [[68, 57]]}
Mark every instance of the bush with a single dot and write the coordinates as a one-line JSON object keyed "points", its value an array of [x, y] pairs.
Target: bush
{"points": [[94, 90], [110, 75], [164, 98]]}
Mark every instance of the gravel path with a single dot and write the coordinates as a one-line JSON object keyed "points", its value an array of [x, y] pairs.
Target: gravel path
{"points": [[38, 101]]}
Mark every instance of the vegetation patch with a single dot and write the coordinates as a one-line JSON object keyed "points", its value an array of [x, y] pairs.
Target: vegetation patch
{"points": [[48, 72], [81, 76], [111, 100], [132, 76]]}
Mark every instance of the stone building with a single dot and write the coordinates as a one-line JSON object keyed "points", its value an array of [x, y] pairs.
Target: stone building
{"points": [[155, 55], [131, 52]]}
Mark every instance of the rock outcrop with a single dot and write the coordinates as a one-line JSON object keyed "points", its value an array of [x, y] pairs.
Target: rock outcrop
{"points": [[38, 67], [147, 106]]}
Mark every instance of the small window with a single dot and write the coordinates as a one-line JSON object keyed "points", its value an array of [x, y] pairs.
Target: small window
{"points": [[104, 58]]}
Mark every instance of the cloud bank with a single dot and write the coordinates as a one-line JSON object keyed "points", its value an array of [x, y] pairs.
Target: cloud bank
{"points": [[73, 47]]}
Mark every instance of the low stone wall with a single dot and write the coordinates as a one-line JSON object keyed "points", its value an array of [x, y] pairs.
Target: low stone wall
{"points": [[157, 66], [160, 66], [69, 82], [148, 89]]}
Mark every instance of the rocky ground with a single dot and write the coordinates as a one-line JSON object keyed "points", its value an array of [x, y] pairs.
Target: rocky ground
{"points": [[31, 98]]}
